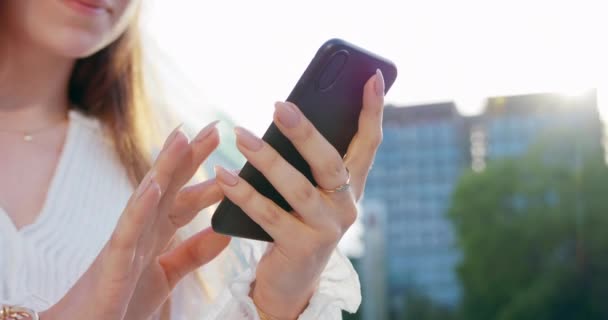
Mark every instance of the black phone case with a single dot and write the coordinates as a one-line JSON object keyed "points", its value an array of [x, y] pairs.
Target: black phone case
{"points": [[330, 94]]}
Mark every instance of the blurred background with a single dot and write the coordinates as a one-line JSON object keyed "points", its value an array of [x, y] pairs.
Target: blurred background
{"points": [[488, 196]]}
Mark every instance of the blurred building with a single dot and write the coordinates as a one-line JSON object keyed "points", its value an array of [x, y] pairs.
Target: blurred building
{"points": [[373, 262], [509, 126], [424, 151]]}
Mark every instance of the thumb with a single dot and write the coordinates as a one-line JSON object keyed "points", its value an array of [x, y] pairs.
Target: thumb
{"points": [[196, 251]]}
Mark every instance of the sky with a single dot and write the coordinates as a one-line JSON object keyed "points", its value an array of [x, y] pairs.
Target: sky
{"points": [[241, 56]]}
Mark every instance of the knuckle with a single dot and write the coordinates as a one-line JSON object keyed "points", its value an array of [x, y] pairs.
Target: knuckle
{"points": [[273, 159], [271, 215], [118, 241], [308, 132], [193, 257], [375, 141], [335, 168], [375, 110], [171, 271], [114, 285], [139, 263], [175, 219], [306, 193], [136, 219], [248, 195], [350, 215], [334, 233]]}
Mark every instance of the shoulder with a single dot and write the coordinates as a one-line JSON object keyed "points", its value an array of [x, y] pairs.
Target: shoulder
{"points": [[90, 129], [87, 122]]}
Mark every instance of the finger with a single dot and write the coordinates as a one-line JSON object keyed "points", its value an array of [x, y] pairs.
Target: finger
{"points": [[175, 149], [280, 225], [184, 168], [192, 199], [325, 162], [196, 152], [183, 207], [142, 211], [362, 150], [191, 254], [202, 145], [124, 241], [170, 157], [289, 182]]}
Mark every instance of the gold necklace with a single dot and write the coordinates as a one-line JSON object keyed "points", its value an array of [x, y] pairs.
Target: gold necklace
{"points": [[28, 136]]}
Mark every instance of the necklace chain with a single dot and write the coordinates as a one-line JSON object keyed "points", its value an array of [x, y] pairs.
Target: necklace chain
{"points": [[28, 135]]}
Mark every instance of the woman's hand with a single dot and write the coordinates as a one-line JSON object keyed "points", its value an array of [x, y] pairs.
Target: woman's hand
{"points": [[304, 241], [134, 273]]}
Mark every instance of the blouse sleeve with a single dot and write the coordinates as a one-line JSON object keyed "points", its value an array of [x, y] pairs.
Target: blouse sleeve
{"points": [[338, 289]]}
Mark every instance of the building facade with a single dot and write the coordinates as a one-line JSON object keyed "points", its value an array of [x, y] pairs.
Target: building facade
{"points": [[510, 126], [423, 153]]}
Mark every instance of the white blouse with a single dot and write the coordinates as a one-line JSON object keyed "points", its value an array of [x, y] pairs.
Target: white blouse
{"points": [[40, 262]]}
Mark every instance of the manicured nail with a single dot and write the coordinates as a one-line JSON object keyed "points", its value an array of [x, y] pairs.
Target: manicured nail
{"points": [[379, 83], [248, 139], [286, 114], [176, 132], [226, 177], [205, 132], [148, 183]]}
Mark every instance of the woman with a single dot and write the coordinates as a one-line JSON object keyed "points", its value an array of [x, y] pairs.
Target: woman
{"points": [[88, 223]]}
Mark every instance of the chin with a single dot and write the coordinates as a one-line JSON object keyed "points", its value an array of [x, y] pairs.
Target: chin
{"points": [[77, 44], [55, 28]]}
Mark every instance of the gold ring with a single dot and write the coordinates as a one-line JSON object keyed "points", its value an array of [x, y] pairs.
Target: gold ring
{"points": [[17, 313], [343, 187]]}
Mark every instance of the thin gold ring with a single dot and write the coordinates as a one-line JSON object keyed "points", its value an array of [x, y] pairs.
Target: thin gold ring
{"points": [[341, 188], [17, 313]]}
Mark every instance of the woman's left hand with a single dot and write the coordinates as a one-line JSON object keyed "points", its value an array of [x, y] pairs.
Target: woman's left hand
{"points": [[288, 274]]}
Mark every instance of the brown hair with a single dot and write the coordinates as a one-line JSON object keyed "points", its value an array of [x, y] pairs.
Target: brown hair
{"points": [[109, 86]]}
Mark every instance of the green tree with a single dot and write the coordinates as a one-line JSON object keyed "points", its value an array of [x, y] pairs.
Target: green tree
{"points": [[533, 235], [420, 307]]}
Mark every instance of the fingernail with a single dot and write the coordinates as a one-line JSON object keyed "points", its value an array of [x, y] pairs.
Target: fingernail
{"points": [[286, 114], [146, 184], [379, 83], [206, 131], [177, 131], [226, 177], [248, 139]]}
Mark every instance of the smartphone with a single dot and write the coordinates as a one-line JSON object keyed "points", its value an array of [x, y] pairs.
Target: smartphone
{"points": [[330, 95]]}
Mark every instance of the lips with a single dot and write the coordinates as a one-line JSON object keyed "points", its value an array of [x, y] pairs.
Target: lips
{"points": [[95, 4]]}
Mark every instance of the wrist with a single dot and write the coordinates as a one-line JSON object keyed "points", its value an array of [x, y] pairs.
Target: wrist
{"points": [[274, 305]]}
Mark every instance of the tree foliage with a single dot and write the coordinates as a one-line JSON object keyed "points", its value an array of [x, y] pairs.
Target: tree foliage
{"points": [[532, 231]]}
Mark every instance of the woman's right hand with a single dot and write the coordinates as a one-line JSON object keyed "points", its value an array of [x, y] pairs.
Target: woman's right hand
{"points": [[135, 271]]}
